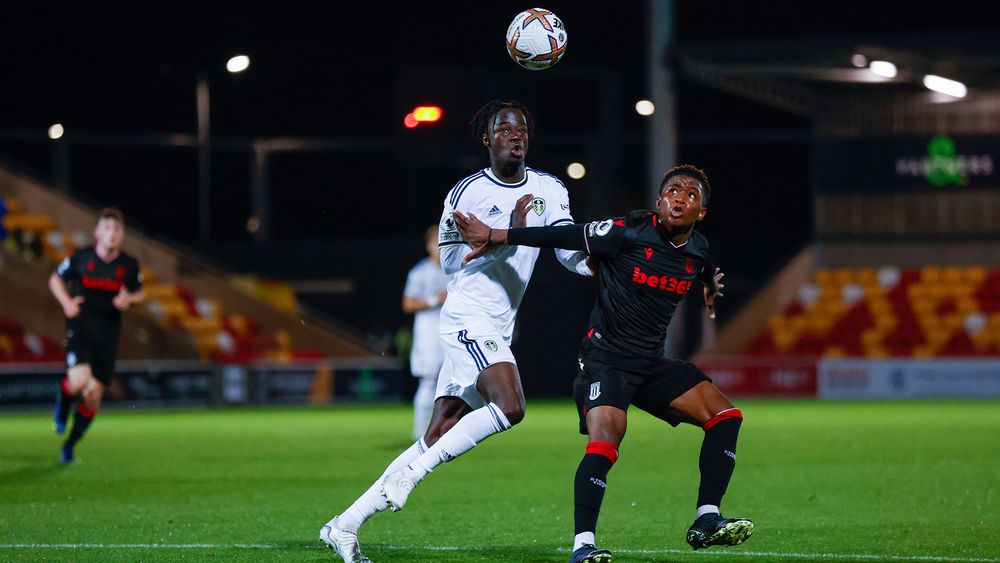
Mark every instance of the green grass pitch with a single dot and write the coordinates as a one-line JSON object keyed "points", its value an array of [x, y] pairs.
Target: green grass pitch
{"points": [[823, 481]]}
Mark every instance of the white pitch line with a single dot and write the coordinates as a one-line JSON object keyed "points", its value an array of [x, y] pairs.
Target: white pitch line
{"points": [[847, 556], [137, 546], [262, 546], [735, 553]]}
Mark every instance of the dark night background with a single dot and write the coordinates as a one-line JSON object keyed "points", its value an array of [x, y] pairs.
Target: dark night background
{"points": [[111, 72]]}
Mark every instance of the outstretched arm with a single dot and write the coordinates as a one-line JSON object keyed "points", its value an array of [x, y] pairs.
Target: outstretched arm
{"points": [[482, 237], [460, 251]]}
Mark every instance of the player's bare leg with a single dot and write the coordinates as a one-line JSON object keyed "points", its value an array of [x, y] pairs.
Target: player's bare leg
{"points": [[93, 392], [709, 408], [341, 532], [500, 385], [606, 427], [447, 412]]}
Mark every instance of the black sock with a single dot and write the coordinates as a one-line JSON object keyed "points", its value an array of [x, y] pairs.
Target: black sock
{"points": [[717, 461], [591, 480], [65, 401], [81, 420]]}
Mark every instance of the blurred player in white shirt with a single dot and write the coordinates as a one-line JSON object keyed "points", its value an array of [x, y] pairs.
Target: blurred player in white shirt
{"points": [[422, 297], [479, 388]]}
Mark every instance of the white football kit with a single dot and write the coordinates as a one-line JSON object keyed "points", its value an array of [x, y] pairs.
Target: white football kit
{"points": [[426, 279], [477, 320]]}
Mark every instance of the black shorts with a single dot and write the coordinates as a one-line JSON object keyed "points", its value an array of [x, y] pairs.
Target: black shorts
{"points": [[650, 385], [94, 342]]}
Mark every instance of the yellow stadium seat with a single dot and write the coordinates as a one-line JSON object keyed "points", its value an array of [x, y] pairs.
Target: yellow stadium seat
{"points": [[975, 275], [834, 351], [6, 346], [885, 322], [930, 274], [148, 277], [952, 275], [161, 291], [879, 307], [14, 206], [201, 325], [843, 276], [876, 353]]}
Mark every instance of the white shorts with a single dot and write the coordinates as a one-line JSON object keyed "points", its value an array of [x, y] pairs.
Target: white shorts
{"points": [[466, 354], [426, 359]]}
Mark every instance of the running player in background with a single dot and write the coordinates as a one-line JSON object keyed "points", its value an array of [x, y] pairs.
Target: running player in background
{"points": [[102, 282], [646, 262], [479, 388], [422, 297]]}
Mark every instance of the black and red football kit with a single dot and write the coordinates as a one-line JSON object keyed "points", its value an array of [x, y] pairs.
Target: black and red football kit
{"points": [[92, 336], [642, 278]]}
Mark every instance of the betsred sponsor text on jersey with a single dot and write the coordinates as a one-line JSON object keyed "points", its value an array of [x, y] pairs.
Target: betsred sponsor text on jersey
{"points": [[664, 283]]}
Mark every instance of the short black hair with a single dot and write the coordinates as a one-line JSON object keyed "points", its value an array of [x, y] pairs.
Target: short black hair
{"points": [[691, 171], [481, 120]]}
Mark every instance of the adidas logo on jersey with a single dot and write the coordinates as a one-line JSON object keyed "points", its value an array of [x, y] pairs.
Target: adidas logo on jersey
{"points": [[494, 212]]}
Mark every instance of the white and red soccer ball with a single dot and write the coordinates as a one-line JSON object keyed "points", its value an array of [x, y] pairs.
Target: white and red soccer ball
{"points": [[536, 39]]}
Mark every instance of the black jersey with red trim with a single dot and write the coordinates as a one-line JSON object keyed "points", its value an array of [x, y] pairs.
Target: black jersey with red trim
{"points": [[98, 281], [643, 278]]}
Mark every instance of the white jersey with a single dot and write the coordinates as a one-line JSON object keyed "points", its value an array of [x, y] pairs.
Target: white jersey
{"points": [[489, 289], [426, 279]]}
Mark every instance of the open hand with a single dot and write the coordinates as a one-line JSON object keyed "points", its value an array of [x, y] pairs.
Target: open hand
{"points": [[519, 215], [474, 232], [713, 290]]}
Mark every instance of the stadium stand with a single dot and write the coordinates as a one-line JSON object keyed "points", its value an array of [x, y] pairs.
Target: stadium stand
{"points": [[19, 345], [888, 312], [198, 312]]}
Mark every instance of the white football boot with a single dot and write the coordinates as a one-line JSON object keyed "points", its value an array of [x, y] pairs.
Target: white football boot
{"points": [[343, 542]]}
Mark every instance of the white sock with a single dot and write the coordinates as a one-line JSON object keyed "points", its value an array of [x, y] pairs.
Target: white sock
{"points": [[706, 509], [423, 405], [467, 432], [583, 538], [372, 501]]}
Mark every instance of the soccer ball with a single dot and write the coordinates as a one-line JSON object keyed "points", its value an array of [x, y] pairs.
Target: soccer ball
{"points": [[536, 39]]}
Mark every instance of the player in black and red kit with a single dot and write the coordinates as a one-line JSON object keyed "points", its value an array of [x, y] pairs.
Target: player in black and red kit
{"points": [[93, 286], [646, 262]]}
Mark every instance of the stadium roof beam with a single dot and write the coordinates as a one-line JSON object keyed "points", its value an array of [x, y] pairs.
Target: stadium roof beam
{"points": [[749, 85], [821, 78]]}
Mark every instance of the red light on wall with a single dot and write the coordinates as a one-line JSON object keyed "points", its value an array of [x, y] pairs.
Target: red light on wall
{"points": [[422, 114], [427, 113]]}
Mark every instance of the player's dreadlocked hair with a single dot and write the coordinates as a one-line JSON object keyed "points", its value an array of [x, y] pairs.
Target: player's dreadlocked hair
{"points": [[693, 172], [481, 121]]}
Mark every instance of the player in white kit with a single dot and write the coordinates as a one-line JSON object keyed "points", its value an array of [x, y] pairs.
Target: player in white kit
{"points": [[479, 388], [423, 296]]}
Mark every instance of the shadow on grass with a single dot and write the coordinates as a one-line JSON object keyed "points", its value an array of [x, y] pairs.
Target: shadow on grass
{"points": [[33, 469], [487, 553], [390, 553]]}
